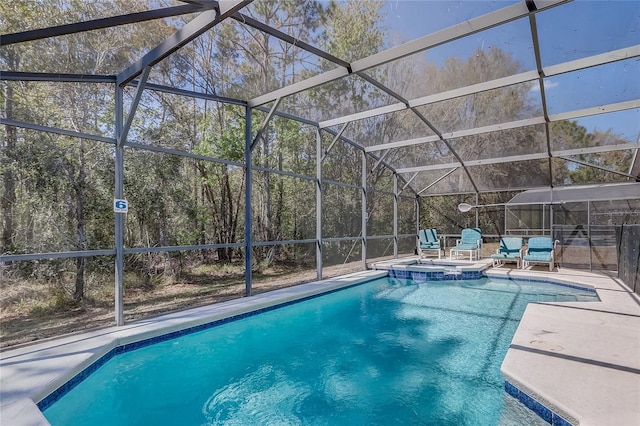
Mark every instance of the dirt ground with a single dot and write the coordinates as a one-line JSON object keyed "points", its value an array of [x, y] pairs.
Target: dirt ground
{"points": [[25, 322]]}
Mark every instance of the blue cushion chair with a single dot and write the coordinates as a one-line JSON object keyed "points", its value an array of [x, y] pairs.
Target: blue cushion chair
{"points": [[470, 241], [510, 251], [540, 250], [428, 241]]}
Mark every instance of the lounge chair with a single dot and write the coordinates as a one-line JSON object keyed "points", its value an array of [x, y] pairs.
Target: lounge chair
{"points": [[510, 251], [471, 241], [540, 250], [428, 241]]}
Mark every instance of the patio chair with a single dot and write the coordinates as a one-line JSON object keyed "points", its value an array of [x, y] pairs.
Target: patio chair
{"points": [[510, 251], [471, 241], [540, 250], [428, 241]]}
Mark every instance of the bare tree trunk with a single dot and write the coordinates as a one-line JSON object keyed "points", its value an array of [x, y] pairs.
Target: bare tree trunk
{"points": [[78, 294], [30, 230], [266, 219], [202, 234], [9, 196], [279, 202], [226, 205], [229, 232]]}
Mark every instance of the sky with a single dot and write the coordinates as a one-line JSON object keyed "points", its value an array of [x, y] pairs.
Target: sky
{"points": [[577, 30]]}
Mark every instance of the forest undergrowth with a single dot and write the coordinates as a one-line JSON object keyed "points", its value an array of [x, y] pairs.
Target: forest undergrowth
{"points": [[40, 308]]}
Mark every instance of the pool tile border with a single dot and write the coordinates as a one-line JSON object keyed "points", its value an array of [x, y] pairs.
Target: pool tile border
{"points": [[50, 399], [537, 407], [421, 277], [62, 390]]}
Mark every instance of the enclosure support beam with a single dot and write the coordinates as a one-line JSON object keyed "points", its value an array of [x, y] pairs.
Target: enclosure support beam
{"points": [[477, 212], [395, 216], [57, 77], [595, 149], [365, 217], [335, 139], [458, 134], [438, 97], [344, 139], [122, 130], [449, 147], [543, 97], [569, 115], [592, 61], [248, 261], [505, 219], [634, 168], [55, 255], [96, 24], [438, 38], [48, 129], [417, 239], [597, 110], [595, 166], [380, 160], [525, 157], [409, 181], [525, 77], [119, 217], [265, 124], [180, 153], [437, 180], [134, 106], [319, 158], [428, 123], [249, 21], [191, 94], [184, 35], [551, 216]]}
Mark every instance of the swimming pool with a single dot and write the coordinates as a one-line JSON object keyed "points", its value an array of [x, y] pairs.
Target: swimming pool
{"points": [[389, 351]]}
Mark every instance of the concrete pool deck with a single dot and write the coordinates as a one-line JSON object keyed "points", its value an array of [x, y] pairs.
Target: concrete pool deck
{"points": [[580, 359]]}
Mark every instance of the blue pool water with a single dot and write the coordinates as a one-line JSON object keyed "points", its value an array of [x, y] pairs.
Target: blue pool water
{"points": [[385, 352]]}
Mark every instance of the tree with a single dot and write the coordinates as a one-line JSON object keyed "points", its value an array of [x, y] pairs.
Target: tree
{"points": [[66, 163], [8, 174], [613, 160]]}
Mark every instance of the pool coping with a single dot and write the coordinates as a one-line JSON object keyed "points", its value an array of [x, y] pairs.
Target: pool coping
{"points": [[32, 372], [577, 362]]}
